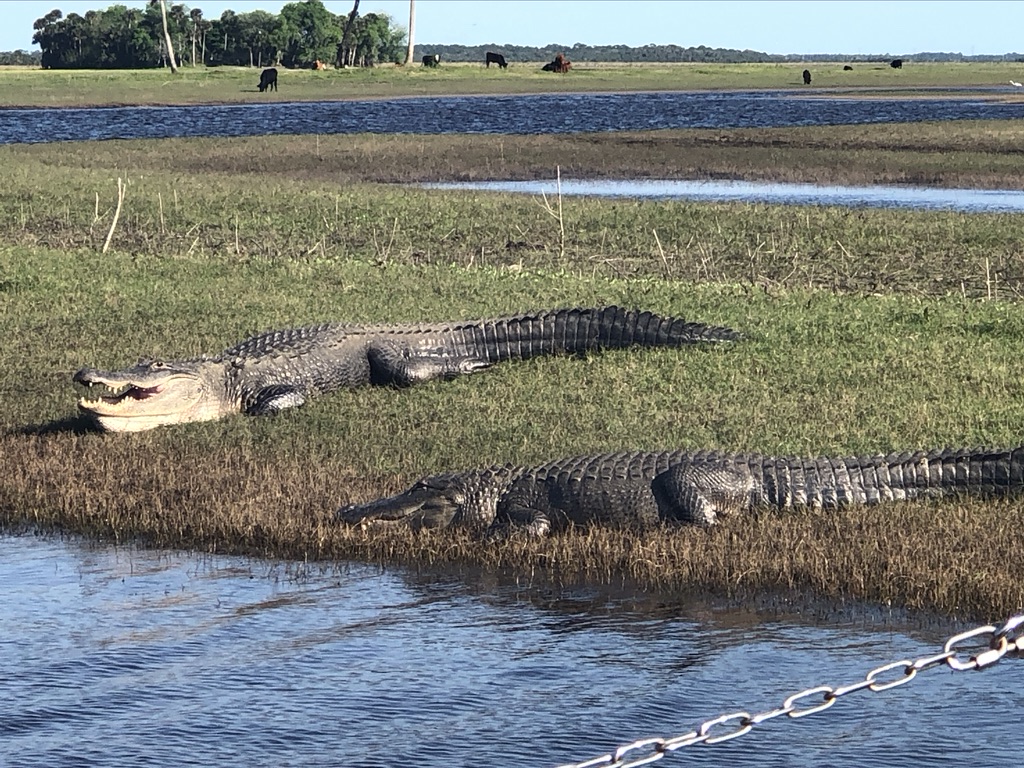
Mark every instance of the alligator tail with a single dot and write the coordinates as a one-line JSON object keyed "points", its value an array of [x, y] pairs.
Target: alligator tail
{"points": [[574, 331], [897, 476]]}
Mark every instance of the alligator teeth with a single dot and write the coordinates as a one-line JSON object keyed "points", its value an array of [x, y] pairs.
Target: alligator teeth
{"points": [[110, 394]]}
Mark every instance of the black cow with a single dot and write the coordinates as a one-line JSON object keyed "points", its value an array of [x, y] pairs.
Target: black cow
{"points": [[495, 58], [807, 77], [268, 79], [896, 63], [847, 68], [432, 61]]}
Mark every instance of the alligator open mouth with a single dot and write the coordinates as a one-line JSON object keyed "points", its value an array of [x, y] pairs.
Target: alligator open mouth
{"points": [[111, 395]]}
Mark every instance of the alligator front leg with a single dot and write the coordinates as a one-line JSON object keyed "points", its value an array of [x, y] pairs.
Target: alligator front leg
{"points": [[401, 366], [522, 509], [270, 400], [699, 494]]}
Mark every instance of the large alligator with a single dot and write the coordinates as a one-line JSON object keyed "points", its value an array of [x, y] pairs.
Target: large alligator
{"points": [[281, 369], [637, 489]]}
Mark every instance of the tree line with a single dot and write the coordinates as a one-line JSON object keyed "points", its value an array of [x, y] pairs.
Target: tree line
{"points": [[303, 33]]}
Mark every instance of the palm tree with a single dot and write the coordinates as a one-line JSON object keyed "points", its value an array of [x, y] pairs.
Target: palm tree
{"points": [[196, 15], [167, 36]]}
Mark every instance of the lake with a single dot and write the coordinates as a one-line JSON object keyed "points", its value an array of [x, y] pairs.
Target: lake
{"points": [[537, 114], [120, 656]]}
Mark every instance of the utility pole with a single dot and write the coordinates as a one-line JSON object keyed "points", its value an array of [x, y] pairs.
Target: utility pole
{"points": [[412, 30]]}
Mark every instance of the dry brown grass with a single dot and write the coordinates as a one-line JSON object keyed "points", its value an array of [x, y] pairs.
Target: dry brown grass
{"points": [[914, 555]]}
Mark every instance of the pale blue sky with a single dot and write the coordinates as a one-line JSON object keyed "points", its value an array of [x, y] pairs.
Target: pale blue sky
{"points": [[772, 26]]}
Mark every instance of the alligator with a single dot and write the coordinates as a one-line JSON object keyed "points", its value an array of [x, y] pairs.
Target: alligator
{"points": [[281, 369], [641, 489]]}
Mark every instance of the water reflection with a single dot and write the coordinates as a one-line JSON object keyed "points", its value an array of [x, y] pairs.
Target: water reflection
{"points": [[876, 196], [119, 656]]}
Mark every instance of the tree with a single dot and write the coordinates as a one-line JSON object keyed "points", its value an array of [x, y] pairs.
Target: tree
{"points": [[158, 35], [308, 33], [341, 58], [259, 34], [196, 17]]}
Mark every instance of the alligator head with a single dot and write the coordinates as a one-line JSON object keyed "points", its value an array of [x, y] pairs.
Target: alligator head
{"points": [[152, 394], [458, 499]]}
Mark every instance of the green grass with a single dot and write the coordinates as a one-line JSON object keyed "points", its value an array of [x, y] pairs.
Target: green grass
{"points": [[54, 88], [867, 331]]}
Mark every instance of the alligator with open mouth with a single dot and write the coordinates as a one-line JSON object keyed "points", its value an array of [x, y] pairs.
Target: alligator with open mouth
{"points": [[641, 489], [282, 369]]}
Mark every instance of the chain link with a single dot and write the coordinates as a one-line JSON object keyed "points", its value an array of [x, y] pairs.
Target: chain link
{"points": [[994, 643]]}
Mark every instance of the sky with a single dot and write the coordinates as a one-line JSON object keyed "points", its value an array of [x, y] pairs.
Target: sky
{"points": [[893, 27]]}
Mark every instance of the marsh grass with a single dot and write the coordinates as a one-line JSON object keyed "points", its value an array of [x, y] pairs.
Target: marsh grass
{"points": [[336, 198], [867, 331], [63, 88]]}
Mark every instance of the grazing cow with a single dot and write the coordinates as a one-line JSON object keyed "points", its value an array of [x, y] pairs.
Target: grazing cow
{"points": [[807, 77], [432, 60], [560, 64], [896, 63], [268, 79], [847, 68], [495, 58]]}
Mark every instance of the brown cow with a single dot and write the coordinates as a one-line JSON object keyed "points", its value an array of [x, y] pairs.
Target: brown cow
{"points": [[560, 64]]}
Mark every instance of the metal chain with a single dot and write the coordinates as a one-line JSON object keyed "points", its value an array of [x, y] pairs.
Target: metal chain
{"points": [[1007, 639]]}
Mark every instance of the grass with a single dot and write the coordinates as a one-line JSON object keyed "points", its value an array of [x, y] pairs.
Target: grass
{"points": [[868, 330], [20, 86]]}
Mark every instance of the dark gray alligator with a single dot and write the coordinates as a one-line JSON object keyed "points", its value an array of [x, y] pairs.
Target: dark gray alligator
{"points": [[640, 489], [281, 369]]}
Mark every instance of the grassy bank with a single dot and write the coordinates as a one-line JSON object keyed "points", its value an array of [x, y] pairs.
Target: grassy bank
{"points": [[68, 88], [868, 331], [306, 198]]}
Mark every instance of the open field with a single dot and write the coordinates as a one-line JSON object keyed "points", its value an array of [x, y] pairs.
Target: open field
{"points": [[20, 86], [868, 331]]}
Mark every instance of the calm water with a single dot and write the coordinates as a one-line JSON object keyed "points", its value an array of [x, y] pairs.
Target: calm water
{"points": [[933, 198], [123, 657], [549, 113]]}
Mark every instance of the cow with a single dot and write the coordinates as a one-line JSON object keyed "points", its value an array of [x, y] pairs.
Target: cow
{"points": [[560, 64], [432, 60], [847, 68], [495, 58], [896, 63], [268, 79], [807, 77]]}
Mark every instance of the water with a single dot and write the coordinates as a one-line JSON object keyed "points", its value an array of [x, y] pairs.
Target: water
{"points": [[536, 114], [878, 196], [125, 657]]}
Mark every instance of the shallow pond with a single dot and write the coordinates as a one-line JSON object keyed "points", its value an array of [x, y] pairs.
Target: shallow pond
{"points": [[533, 114], [126, 657], [878, 196]]}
